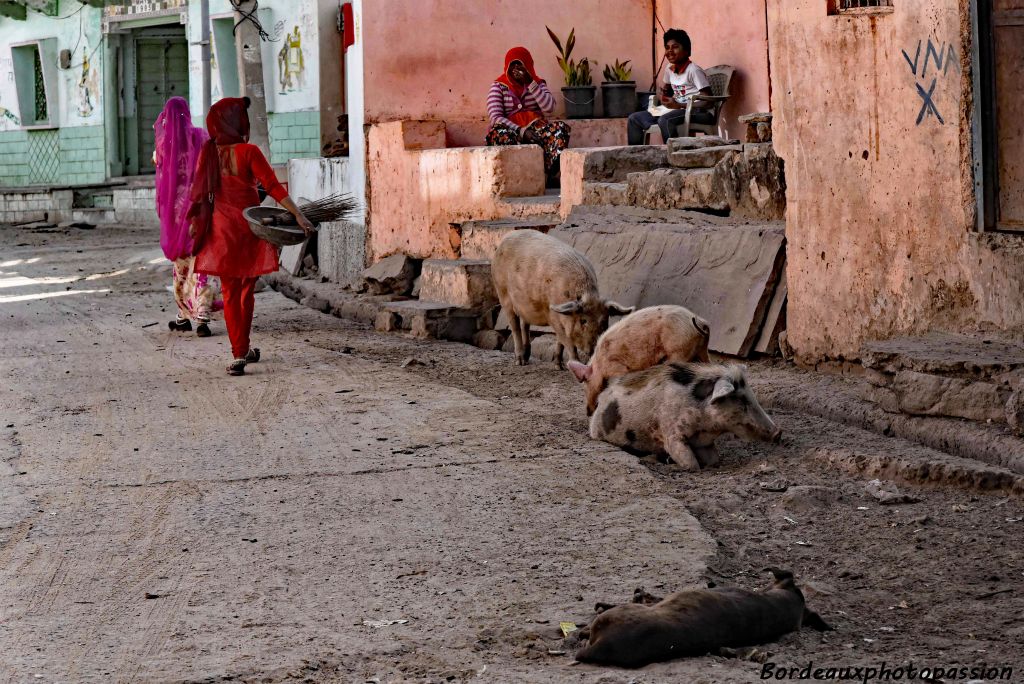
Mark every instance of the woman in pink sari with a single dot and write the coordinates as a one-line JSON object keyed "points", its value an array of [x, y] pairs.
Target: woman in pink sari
{"points": [[177, 148]]}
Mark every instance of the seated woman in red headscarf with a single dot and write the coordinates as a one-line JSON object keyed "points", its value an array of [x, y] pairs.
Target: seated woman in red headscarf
{"points": [[517, 104], [225, 184]]}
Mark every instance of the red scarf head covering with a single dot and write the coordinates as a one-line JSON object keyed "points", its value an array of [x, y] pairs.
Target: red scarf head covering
{"points": [[522, 55], [228, 124]]}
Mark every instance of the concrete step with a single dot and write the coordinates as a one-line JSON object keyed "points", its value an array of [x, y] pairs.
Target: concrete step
{"points": [[942, 374], [702, 158], [481, 238], [525, 207], [464, 283], [96, 216]]}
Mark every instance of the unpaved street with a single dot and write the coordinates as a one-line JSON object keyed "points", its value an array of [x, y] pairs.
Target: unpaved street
{"points": [[341, 515]]}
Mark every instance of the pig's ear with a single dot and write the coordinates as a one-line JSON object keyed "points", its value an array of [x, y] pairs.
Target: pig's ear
{"points": [[582, 371], [569, 307], [616, 309], [723, 388]]}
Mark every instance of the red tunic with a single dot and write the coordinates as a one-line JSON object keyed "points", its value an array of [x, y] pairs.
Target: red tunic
{"points": [[231, 249]]}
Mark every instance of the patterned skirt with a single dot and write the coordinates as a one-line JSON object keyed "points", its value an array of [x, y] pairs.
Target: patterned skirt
{"points": [[196, 294], [553, 135]]}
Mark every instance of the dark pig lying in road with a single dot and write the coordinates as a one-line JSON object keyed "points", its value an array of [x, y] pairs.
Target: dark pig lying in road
{"points": [[543, 281], [695, 622], [679, 410], [652, 335]]}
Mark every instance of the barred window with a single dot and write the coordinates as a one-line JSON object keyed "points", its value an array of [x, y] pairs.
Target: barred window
{"points": [[39, 88], [859, 6]]}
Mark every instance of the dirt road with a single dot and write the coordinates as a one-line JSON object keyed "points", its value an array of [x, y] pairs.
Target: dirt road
{"points": [[342, 515]]}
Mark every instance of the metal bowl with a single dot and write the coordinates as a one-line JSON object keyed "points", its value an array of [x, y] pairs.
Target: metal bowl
{"points": [[280, 235]]}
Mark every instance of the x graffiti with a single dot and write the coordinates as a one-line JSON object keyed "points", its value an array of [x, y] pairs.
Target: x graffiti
{"points": [[928, 105]]}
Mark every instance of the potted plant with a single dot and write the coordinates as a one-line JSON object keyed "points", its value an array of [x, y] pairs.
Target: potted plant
{"points": [[579, 90], [618, 91]]}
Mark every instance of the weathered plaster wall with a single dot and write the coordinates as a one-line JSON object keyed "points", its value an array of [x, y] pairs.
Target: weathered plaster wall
{"points": [[871, 120], [418, 188], [436, 60], [732, 32]]}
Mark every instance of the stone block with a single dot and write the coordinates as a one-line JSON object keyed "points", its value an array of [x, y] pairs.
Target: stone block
{"points": [[614, 164], [611, 194], [489, 339], [758, 127], [341, 251], [703, 157], [392, 275], [464, 283], [677, 189], [698, 143], [723, 271], [479, 239], [387, 321], [933, 395]]}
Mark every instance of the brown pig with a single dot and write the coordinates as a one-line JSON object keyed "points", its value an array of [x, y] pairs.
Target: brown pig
{"points": [[543, 281], [650, 336], [697, 621], [679, 410]]}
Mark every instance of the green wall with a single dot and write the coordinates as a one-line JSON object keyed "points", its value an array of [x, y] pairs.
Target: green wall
{"points": [[293, 135], [63, 156]]}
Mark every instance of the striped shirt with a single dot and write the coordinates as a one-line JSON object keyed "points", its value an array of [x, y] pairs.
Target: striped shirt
{"points": [[502, 102]]}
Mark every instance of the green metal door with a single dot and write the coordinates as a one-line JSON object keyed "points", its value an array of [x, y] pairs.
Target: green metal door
{"points": [[161, 73]]}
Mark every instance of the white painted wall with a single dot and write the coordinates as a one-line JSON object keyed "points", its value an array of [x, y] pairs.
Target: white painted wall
{"points": [[279, 18], [78, 28]]}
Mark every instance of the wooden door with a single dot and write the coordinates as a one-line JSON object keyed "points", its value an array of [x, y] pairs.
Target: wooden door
{"points": [[161, 73]]}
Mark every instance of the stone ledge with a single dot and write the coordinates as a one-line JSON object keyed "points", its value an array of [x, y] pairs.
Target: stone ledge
{"points": [[987, 444]]}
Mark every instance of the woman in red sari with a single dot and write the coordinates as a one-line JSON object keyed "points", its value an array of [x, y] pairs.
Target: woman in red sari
{"points": [[229, 169]]}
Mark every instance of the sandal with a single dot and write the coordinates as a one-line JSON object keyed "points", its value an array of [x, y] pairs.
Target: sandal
{"points": [[180, 325], [253, 355], [203, 330], [237, 367]]}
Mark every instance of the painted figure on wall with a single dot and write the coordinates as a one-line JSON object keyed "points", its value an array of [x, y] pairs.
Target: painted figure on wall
{"points": [[6, 115], [291, 63], [85, 83]]}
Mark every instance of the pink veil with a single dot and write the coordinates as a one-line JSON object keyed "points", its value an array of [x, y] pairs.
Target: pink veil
{"points": [[177, 148]]}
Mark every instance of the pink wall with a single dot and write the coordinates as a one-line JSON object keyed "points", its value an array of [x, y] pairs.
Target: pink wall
{"points": [[730, 32], [880, 201], [436, 60]]}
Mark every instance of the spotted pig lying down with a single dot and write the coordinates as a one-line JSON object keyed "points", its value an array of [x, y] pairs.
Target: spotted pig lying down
{"points": [[695, 622], [680, 409]]}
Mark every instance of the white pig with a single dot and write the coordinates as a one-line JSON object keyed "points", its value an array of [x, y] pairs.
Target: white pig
{"points": [[680, 409], [543, 281], [656, 334]]}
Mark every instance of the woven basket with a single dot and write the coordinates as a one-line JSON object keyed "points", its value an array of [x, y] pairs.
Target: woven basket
{"points": [[281, 235]]}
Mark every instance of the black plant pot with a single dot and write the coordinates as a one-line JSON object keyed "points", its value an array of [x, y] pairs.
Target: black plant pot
{"points": [[643, 99], [579, 101], [618, 98]]}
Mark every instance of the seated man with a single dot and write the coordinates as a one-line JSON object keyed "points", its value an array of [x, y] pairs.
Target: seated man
{"points": [[683, 80]]}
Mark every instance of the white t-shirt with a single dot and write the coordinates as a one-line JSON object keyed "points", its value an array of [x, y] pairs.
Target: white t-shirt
{"points": [[687, 84]]}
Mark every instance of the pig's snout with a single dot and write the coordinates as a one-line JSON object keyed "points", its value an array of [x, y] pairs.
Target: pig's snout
{"points": [[776, 436]]}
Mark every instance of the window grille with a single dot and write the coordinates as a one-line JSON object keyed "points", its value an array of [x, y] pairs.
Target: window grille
{"points": [[863, 4], [42, 113]]}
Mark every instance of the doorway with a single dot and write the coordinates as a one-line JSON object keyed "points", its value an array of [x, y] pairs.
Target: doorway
{"points": [[1000, 61], [156, 66]]}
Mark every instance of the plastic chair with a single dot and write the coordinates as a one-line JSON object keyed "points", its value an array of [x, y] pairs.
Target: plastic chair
{"points": [[719, 76]]}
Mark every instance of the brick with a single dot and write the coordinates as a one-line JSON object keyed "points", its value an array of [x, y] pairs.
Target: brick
{"points": [[463, 283]]}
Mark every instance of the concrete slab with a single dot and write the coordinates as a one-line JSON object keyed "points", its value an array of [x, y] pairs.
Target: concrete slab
{"points": [[464, 283], [722, 270], [774, 319], [677, 189], [971, 356]]}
